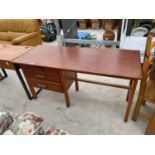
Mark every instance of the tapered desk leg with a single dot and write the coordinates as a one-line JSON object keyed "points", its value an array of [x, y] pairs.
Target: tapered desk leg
{"points": [[22, 82], [76, 82], [127, 97], [65, 88], [131, 95]]}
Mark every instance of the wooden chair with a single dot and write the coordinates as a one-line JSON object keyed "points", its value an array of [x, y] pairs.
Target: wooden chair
{"points": [[150, 129], [145, 82]]}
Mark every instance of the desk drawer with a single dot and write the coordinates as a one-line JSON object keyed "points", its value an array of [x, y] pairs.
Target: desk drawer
{"points": [[45, 85], [42, 73], [6, 64]]}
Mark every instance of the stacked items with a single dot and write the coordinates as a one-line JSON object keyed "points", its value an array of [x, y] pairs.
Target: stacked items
{"points": [[25, 124], [83, 23], [110, 24], [95, 23]]}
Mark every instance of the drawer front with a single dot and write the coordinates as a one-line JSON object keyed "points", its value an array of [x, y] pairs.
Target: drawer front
{"points": [[41, 73], [45, 85], [6, 64]]}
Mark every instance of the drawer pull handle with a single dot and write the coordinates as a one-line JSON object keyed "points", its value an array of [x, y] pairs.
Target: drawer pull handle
{"points": [[39, 68], [40, 76], [42, 85]]}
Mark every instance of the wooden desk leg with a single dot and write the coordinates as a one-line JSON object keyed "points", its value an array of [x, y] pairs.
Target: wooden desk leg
{"points": [[131, 95], [64, 88], [127, 97], [76, 82]]}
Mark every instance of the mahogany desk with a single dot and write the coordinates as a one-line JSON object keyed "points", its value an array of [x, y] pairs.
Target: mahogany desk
{"points": [[7, 54], [55, 68]]}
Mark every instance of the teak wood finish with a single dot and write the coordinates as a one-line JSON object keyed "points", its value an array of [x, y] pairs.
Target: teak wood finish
{"points": [[106, 62], [117, 63], [8, 53], [49, 78]]}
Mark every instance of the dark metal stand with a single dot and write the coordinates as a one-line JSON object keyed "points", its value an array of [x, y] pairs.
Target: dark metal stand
{"points": [[39, 90], [2, 77], [16, 67], [22, 82], [4, 72]]}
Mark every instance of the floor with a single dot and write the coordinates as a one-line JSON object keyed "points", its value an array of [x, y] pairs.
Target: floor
{"points": [[95, 110]]}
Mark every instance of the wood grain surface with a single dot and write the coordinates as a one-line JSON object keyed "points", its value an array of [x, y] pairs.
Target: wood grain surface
{"points": [[110, 62], [8, 53]]}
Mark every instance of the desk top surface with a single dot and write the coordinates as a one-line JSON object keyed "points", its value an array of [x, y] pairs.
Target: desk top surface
{"points": [[10, 52], [107, 62]]}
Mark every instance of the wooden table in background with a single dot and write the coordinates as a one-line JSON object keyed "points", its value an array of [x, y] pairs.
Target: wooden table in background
{"points": [[55, 68]]}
